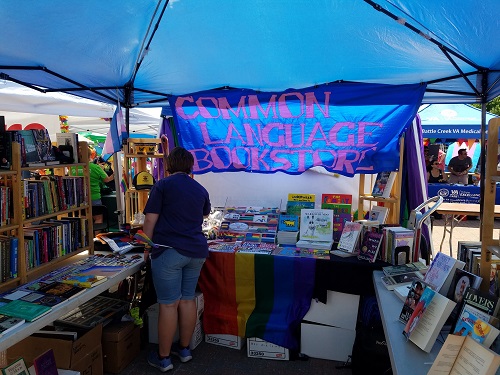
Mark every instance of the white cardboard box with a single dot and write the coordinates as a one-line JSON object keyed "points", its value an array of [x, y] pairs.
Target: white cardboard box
{"points": [[325, 342], [340, 310], [231, 341], [258, 348]]}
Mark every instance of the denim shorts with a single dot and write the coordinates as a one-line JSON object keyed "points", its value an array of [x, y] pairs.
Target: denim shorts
{"points": [[175, 276]]}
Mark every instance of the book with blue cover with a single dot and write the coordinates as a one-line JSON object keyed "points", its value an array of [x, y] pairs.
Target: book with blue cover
{"points": [[288, 223]]}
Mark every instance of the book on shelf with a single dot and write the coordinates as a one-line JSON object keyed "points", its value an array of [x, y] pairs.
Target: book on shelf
{"points": [[44, 146], [29, 152], [370, 246], [441, 272], [24, 310], [427, 319], [336, 198], [5, 147], [53, 333], [398, 244], [9, 323], [85, 281], [463, 355], [461, 282], [43, 299], [350, 237], [316, 231], [18, 367], [383, 184], [45, 363], [476, 324], [414, 292], [483, 301], [288, 223], [294, 207], [404, 268], [379, 213], [391, 282], [61, 289], [68, 145], [294, 197]]}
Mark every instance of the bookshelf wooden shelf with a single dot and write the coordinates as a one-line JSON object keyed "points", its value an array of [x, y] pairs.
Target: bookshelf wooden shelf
{"points": [[393, 203], [18, 223], [489, 244], [133, 163]]}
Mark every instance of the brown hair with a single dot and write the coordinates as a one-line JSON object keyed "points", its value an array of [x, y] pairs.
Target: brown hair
{"points": [[180, 160]]}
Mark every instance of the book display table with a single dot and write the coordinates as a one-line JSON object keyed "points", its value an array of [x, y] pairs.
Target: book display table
{"points": [[59, 310], [266, 296], [406, 357]]}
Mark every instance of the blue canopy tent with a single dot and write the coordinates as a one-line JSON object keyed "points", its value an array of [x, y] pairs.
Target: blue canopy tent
{"points": [[453, 121], [143, 52]]}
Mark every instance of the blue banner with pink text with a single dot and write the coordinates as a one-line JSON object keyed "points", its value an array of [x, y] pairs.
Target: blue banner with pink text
{"points": [[347, 128]]}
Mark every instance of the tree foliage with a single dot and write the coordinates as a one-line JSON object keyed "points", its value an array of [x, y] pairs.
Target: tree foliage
{"points": [[492, 106]]}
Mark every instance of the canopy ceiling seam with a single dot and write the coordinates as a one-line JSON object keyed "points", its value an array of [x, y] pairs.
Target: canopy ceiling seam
{"points": [[416, 30], [455, 65], [448, 52], [143, 51]]}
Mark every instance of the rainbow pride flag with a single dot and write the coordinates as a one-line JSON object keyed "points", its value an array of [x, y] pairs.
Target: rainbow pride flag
{"points": [[254, 295]]}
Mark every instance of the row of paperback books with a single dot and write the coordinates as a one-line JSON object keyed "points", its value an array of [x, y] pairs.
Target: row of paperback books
{"points": [[54, 238], [6, 207], [249, 224], [53, 194], [8, 257]]}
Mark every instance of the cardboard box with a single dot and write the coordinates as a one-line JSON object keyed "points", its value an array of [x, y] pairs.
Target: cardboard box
{"points": [[325, 342], [121, 343], [340, 310], [258, 348], [231, 341], [83, 354]]}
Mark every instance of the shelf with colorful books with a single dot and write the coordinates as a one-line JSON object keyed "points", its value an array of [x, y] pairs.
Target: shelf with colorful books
{"points": [[21, 208]]}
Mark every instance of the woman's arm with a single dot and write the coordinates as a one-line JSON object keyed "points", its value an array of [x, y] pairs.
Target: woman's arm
{"points": [[148, 229]]}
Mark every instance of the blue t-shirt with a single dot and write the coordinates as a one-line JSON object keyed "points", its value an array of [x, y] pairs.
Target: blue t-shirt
{"points": [[181, 203]]}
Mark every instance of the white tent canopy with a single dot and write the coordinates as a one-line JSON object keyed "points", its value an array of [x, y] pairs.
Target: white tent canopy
{"points": [[22, 105]]}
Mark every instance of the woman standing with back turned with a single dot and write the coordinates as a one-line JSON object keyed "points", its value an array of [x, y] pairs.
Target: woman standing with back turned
{"points": [[174, 213]]}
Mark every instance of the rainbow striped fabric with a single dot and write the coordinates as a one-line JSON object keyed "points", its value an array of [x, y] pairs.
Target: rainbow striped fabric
{"points": [[254, 295]]}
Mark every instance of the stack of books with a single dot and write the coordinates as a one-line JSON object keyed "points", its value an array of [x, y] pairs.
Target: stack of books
{"points": [[316, 230]]}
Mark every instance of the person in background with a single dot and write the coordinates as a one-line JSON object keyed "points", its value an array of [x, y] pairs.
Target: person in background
{"points": [[459, 167], [428, 159], [106, 167], [435, 175], [174, 213], [97, 177]]}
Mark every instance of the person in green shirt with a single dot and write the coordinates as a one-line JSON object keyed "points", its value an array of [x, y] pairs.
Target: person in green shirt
{"points": [[97, 177]]}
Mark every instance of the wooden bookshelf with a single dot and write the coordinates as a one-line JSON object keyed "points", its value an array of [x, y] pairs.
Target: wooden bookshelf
{"points": [[18, 221], [393, 203], [137, 153], [489, 244]]}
